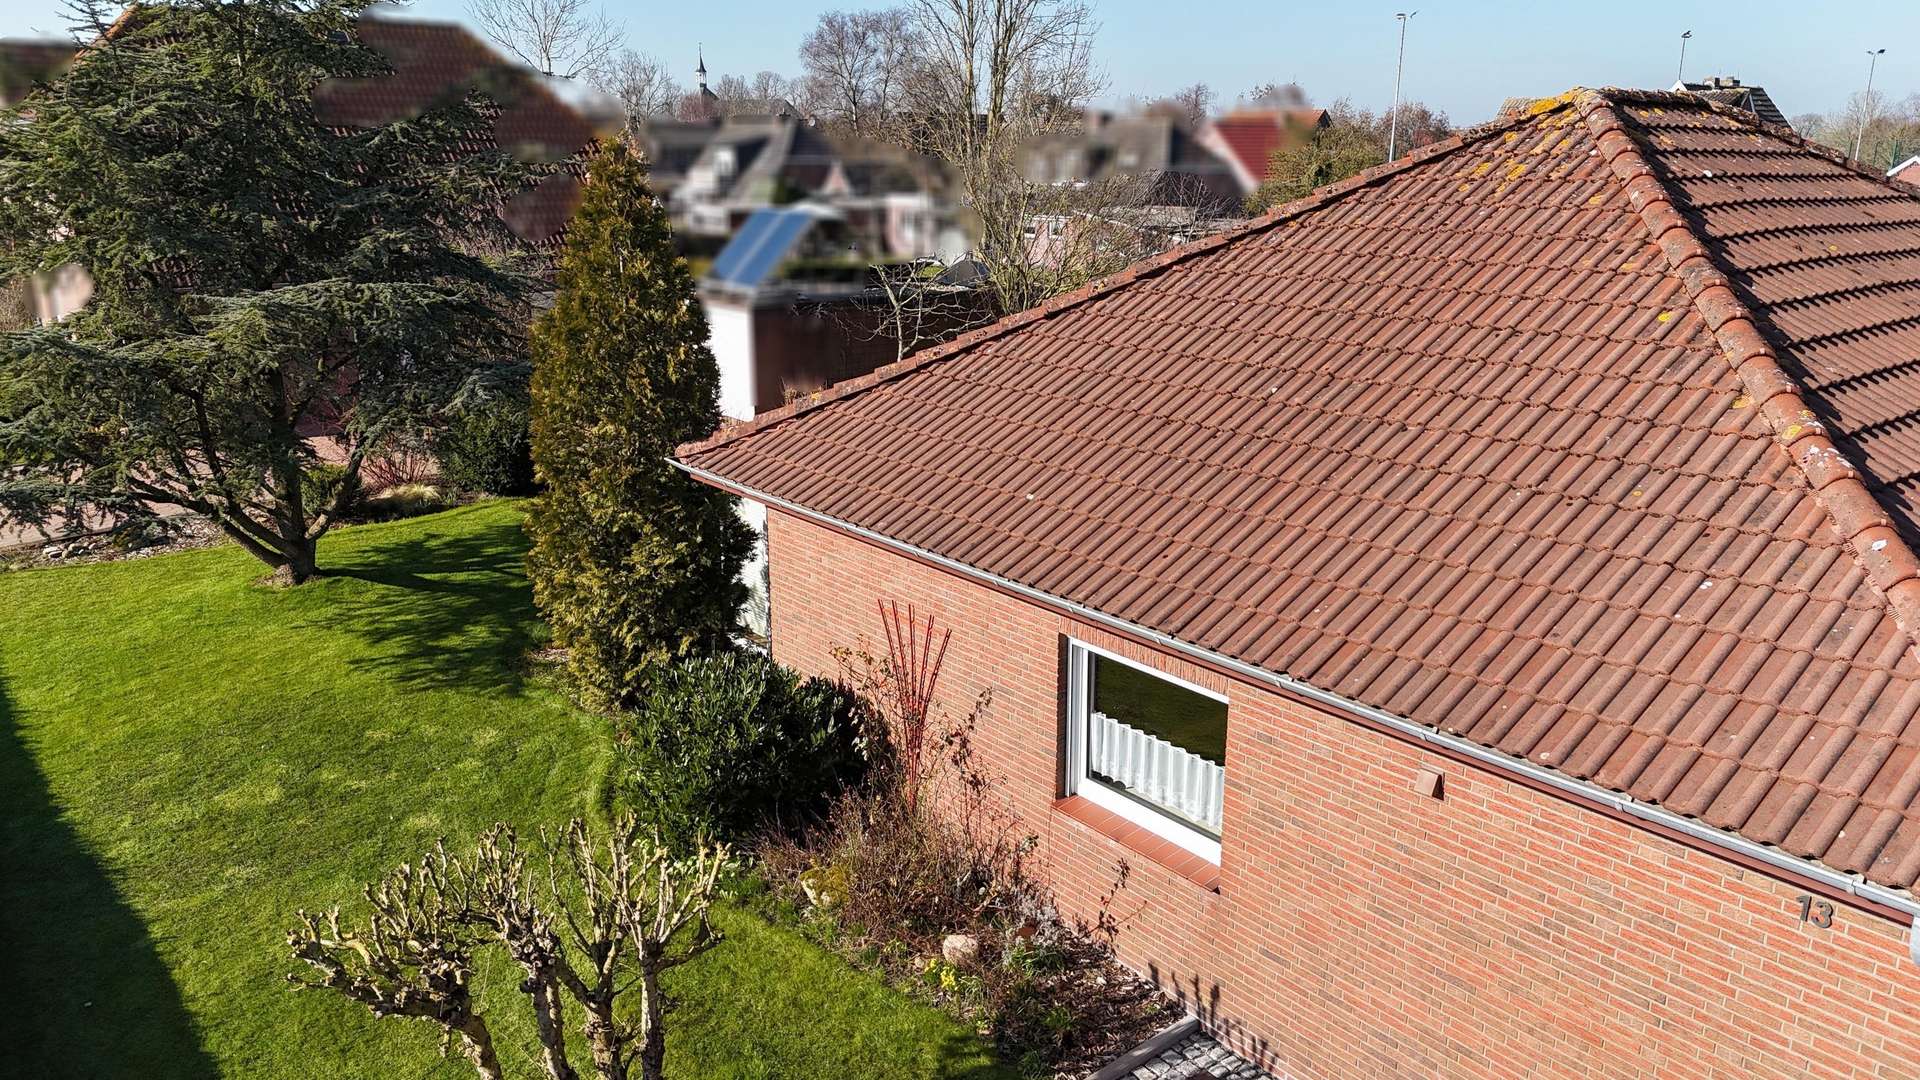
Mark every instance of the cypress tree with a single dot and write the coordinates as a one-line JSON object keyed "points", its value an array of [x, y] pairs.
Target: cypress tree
{"points": [[633, 562]]}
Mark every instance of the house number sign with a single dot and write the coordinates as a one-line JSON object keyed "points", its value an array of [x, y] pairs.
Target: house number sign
{"points": [[1817, 912]]}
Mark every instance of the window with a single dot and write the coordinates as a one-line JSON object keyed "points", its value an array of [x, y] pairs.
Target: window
{"points": [[1147, 746]]}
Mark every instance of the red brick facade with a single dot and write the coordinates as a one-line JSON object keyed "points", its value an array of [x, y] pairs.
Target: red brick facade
{"points": [[1359, 928]]}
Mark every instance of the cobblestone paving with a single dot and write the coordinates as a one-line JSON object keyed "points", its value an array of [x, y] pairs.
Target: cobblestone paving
{"points": [[1197, 1057]]}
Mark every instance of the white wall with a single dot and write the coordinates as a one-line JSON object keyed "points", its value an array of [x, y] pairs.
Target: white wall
{"points": [[730, 335]]}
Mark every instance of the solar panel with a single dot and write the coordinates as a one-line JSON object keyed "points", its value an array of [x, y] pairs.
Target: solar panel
{"points": [[743, 241], [762, 244]]}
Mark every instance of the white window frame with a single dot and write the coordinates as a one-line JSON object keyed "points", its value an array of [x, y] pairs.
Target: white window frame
{"points": [[1079, 782]]}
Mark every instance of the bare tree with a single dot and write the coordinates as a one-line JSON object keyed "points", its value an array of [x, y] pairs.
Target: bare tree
{"points": [[856, 63], [1888, 130], [1189, 105], [767, 90], [643, 87], [1275, 96], [990, 77], [566, 38], [609, 916], [413, 956], [919, 307]]}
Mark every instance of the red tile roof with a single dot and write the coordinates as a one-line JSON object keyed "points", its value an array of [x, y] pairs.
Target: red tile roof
{"points": [[1589, 435], [435, 62], [1252, 135]]}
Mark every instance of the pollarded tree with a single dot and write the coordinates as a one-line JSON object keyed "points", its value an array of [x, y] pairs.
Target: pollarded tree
{"points": [[634, 563], [259, 276]]}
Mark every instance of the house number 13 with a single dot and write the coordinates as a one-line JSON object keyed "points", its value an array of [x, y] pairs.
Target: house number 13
{"points": [[1817, 912]]}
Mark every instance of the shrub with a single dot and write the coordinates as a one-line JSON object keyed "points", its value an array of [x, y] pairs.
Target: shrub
{"points": [[320, 482], [402, 501], [927, 847], [717, 747], [486, 449]]}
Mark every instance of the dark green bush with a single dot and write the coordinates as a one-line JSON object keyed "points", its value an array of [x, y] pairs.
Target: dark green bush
{"points": [[319, 483], [485, 448], [722, 746]]}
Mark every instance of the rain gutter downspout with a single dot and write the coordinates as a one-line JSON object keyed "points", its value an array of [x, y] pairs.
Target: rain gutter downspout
{"points": [[1836, 881]]}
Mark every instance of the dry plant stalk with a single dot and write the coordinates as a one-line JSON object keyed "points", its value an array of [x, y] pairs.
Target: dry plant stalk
{"points": [[914, 661]]}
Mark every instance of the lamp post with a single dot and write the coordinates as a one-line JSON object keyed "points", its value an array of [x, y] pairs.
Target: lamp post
{"points": [[1866, 106], [1680, 76], [1393, 123]]}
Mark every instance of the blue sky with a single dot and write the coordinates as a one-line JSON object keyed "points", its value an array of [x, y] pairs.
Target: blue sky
{"points": [[1462, 57]]}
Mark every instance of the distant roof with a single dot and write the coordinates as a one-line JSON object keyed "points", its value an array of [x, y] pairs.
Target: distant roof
{"points": [[1727, 90], [1190, 171], [1591, 436], [1251, 136], [435, 62]]}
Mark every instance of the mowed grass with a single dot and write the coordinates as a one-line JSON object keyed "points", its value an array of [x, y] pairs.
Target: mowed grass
{"points": [[187, 756]]}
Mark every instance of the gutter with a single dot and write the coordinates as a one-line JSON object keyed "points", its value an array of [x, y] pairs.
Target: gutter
{"points": [[1828, 880]]}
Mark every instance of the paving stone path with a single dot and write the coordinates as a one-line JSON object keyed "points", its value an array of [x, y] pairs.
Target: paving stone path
{"points": [[1197, 1057]]}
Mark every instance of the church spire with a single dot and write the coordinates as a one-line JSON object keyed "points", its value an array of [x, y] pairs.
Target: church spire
{"points": [[701, 71]]}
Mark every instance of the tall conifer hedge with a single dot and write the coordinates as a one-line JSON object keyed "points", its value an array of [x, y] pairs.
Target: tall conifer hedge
{"points": [[633, 562]]}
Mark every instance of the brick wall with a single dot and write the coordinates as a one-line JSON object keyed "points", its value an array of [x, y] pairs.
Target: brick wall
{"points": [[1361, 929]]}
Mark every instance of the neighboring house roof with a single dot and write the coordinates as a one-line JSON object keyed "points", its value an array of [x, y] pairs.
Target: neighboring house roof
{"points": [[435, 62], [1727, 90], [1591, 436], [1248, 138], [1908, 170], [1188, 172], [672, 147]]}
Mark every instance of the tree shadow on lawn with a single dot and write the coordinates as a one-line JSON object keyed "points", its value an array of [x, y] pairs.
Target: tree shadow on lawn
{"points": [[454, 611], [87, 994]]}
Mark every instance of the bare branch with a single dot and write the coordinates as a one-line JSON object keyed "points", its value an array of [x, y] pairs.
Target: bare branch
{"points": [[566, 38]]}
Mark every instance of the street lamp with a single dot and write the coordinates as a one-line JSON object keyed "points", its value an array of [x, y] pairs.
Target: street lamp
{"points": [[1680, 76], [1866, 107], [1393, 125]]}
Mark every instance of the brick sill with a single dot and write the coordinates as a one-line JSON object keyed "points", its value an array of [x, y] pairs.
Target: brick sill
{"points": [[1153, 848]]}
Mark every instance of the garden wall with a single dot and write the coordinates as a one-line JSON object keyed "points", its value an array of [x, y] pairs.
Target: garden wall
{"points": [[1357, 927]]}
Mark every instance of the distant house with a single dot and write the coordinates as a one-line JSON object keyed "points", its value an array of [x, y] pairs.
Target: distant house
{"points": [[885, 195], [1177, 168], [1477, 603], [1247, 139], [1907, 171], [1727, 90]]}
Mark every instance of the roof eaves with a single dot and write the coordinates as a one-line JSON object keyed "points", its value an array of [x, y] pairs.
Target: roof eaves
{"points": [[1145, 268], [1862, 522]]}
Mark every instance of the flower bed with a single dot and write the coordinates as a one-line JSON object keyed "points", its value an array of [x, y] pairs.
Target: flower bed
{"points": [[921, 874]]}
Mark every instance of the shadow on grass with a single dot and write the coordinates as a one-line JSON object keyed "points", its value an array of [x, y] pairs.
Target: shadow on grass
{"points": [[453, 611], [87, 994]]}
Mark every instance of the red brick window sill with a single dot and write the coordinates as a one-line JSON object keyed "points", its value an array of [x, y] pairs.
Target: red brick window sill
{"points": [[1141, 842]]}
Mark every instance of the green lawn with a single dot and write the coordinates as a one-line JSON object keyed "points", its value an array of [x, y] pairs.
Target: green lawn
{"points": [[186, 757]]}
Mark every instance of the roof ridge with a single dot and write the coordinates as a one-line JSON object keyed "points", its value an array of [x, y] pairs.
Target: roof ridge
{"points": [[1864, 525], [1145, 268]]}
